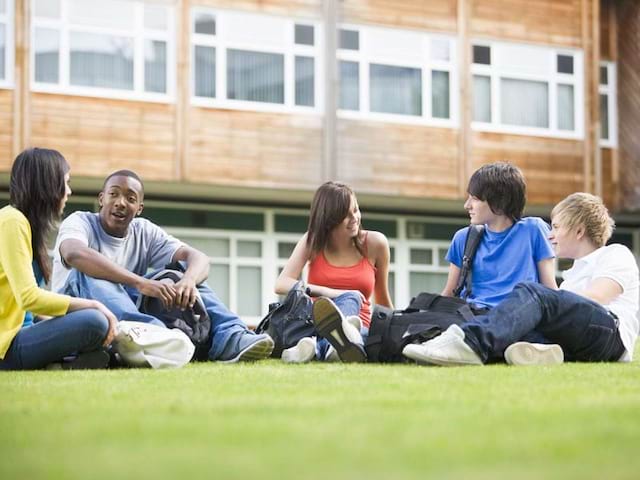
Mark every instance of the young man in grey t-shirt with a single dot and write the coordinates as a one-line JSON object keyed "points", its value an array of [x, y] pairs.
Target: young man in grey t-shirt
{"points": [[106, 256]]}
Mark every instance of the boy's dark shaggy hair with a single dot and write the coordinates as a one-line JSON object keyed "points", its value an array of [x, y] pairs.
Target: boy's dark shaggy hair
{"points": [[502, 186]]}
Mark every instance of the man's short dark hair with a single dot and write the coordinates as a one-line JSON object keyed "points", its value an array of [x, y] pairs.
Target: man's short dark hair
{"points": [[124, 173], [502, 186]]}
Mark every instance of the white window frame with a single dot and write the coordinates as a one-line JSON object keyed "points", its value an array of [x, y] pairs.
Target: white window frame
{"points": [[495, 73], [8, 20], [610, 90], [365, 57], [139, 35], [289, 51]]}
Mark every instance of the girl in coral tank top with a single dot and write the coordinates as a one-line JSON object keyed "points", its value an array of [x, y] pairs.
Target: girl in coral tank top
{"points": [[346, 265]]}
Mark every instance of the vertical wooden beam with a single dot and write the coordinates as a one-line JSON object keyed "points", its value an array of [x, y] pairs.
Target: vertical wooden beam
{"points": [[613, 52], [588, 142], [595, 93], [330, 150], [183, 98], [21, 93], [464, 61]]}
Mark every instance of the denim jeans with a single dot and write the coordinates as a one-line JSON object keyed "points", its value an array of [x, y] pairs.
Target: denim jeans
{"points": [[50, 341], [122, 302], [349, 304], [585, 330]]}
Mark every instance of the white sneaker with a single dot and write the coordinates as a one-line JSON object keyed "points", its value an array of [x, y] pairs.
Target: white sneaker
{"points": [[446, 349], [302, 352], [525, 353], [331, 355]]}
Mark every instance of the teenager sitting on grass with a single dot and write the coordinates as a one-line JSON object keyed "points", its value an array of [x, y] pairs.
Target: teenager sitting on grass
{"points": [[107, 255], [512, 250], [346, 266], [38, 191], [592, 318]]}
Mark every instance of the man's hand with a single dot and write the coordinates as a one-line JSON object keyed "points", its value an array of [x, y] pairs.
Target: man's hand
{"points": [[165, 291], [186, 292], [113, 323]]}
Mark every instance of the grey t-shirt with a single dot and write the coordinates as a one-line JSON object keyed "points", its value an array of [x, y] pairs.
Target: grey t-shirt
{"points": [[145, 247]]}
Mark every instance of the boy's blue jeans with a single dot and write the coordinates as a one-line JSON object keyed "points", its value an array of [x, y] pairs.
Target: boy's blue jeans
{"points": [[48, 341], [585, 330], [122, 302], [348, 303]]}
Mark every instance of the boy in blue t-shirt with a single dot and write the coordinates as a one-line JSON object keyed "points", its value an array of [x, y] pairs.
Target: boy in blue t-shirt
{"points": [[512, 250]]}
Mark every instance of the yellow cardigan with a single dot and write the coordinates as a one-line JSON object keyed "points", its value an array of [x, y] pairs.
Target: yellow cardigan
{"points": [[19, 291]]}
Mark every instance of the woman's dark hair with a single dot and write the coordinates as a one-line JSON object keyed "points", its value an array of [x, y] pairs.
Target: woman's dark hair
{"points": [[36, 188], [329, 208], [502, 186]]}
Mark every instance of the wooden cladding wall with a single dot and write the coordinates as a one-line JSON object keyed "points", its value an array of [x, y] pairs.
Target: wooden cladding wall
{"points": [[610, 179], [98, 136], [539, 21], [233, 147], [6, 130], [628, 14], [400, 160], [295, 8], [433, 15]]}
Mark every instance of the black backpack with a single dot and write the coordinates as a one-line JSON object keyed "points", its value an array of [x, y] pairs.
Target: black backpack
{"points": [[289, 321], [426, 317], [194, 322]]}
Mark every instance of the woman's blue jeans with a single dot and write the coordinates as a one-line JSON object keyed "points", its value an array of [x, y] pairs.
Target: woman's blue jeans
{"points": [[585, 330], [50, 341], [348, 303], [122, 302]]}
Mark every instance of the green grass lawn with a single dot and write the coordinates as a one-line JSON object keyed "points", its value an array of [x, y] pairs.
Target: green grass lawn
{"points": [[323, 421]]}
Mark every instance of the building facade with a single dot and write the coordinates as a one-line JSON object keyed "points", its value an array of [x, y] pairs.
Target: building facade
{"points": [[235, 111]]}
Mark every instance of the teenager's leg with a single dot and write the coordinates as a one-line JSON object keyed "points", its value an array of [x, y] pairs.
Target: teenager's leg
{"points": [[584, 329], [112, 295], [50, 340]]}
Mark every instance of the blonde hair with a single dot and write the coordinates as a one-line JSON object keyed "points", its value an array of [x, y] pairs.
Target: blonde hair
{"points": [[587, 211]]}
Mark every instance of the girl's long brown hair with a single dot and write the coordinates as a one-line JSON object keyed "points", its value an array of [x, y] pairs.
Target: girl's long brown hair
{"points": [[329, 208], [37, 188]]}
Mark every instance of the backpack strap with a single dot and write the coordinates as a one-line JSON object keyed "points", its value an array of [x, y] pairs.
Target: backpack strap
{"points": [[474, 235]]}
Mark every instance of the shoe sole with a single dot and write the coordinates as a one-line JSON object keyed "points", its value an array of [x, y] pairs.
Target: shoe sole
{"points": [[328, 324], [524, 353], [256, 351]]}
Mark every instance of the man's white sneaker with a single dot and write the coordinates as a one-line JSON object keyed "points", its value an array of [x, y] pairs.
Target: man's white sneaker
{"points": [[446, 349], [525, 353], [302, 352]]}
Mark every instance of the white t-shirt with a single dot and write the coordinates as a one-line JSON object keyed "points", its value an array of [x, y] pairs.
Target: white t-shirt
{"points": [[617, 263], [146, 246]]}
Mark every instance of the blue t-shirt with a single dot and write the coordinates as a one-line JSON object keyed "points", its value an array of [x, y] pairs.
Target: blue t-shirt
{"points": [[503, 259]]}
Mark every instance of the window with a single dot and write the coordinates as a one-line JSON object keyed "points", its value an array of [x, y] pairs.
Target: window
{"points": [[608, 111], [254, 62], [527, 90], [396, 75], [6, 43], [112, 48]]}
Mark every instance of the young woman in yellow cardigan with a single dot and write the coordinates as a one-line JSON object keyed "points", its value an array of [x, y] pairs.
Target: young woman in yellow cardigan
{"points": [[67, 327]]}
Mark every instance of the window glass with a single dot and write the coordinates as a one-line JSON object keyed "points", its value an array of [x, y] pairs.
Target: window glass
{"points": [[421, 256], [395, 89], [482, 55], [255, 76], [481, 98], [99, 60], [349, 39], [565, 64], [205, 71], [155, 66], [305, 90], [205, 23], [249, 248], [118, 14], [440, 49], [524, 102], [565, 107], [2, 50], [604, 117], [604, 76], [219, 281], [426, 282], [304, 34], [349, 85], [47, 52], [285, 249], [249, 290], [440, 94], [45, 8]]}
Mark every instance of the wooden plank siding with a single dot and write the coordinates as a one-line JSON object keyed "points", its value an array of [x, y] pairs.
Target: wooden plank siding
{"points": [[6, 129]]}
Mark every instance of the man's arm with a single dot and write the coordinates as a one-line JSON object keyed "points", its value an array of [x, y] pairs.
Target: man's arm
{"points": [[77, 255], [196, 273], [602, 290]]}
